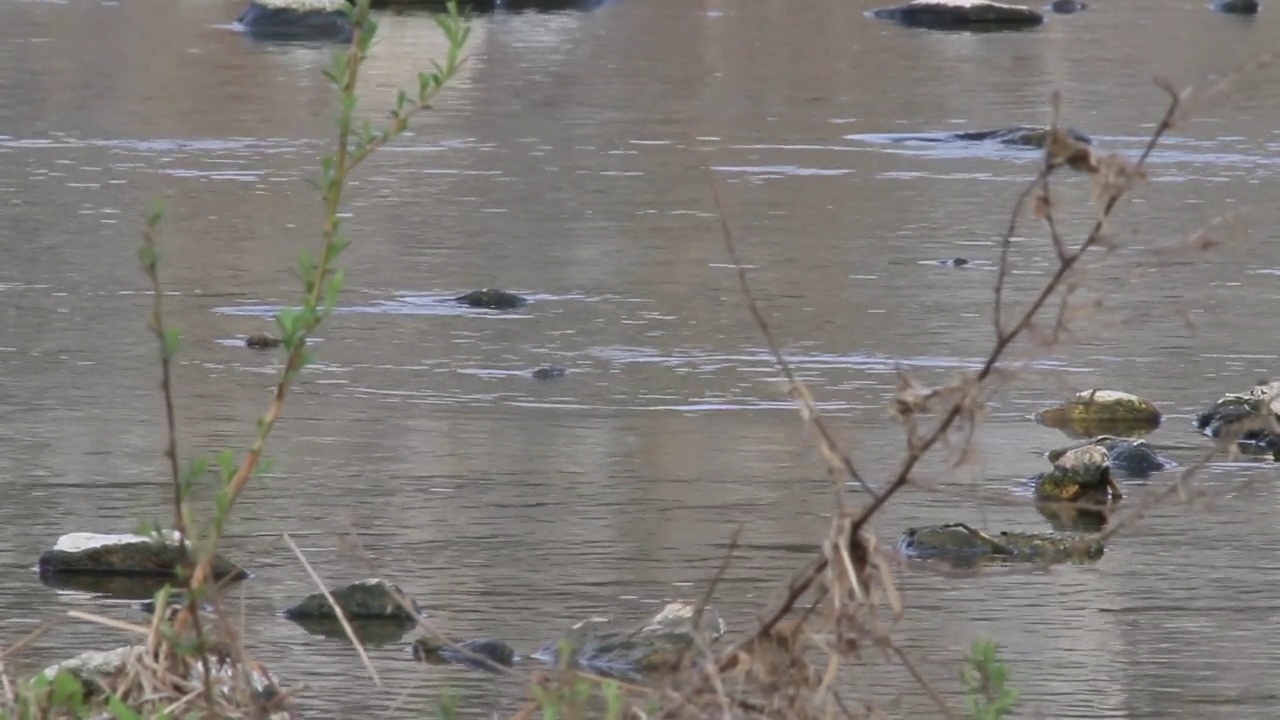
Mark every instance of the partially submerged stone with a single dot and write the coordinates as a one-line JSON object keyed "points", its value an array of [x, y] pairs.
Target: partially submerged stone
{"points": [[1251, 419], [297, 20], [492, 299], [372, 599], [964, 546], [1066, 7], [1080, 475], [549, 372], [1099, 412], [1237, 7], [961, 14], [261, 341], [1131, 456], [480, 653], [125, 554], [1028, 136], [659, 645], [368, 632]]}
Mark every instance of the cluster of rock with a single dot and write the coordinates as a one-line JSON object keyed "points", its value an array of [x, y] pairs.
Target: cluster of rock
{"points": [[988, 15], [1074, 495], [1077, 492], [378, 612]]}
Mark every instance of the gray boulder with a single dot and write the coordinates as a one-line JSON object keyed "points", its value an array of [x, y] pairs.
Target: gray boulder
{"points": [[125, 554]]}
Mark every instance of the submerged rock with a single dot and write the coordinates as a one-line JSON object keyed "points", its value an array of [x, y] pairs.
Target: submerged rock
{"points": [[1099, 412], [492, 299], [1028, 136], [1066, 7], [964, 546], [372, 599], [314, 20], [431, 650], [1133, 457], [259, 341], [124, 554], [1252, 419], [1237, 7], [373, 631], [549, 372], [657, 646], [1080, 475], [961, 14]]}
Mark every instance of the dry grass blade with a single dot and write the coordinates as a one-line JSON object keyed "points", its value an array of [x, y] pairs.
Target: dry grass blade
{"points": [[342, 617], [799, 393], [30, 637]]}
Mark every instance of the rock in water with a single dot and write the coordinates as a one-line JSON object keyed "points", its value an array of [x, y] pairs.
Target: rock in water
{"points": [[492, 299], [963, 546], [1097, 412], [372, 599], [1251, 420], [961, 14], [549, 372], [261, 341], [124, 554], [1082, 474], [659, 645], [1237, 7], [297, 20], [1066, 7], [430, 650], [1130, 456]]}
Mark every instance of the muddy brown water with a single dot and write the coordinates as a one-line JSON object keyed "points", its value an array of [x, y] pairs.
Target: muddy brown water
{"points": [[565, 164]]}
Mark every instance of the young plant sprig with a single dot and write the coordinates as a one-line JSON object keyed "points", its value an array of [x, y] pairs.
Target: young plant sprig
{"points": [[322, 281]]}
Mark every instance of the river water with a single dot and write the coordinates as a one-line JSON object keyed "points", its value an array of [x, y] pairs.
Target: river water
{"points": [[565, 164]]}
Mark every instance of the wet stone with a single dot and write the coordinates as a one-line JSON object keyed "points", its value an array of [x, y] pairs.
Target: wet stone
{"points": [[964, 546], [297, 20], [1099, 412], [549, 372], [1131, 456], [960, 14], [495, 652], [371, 599], [491, 299], [123, 554], [1081, 474], [261, 341]]}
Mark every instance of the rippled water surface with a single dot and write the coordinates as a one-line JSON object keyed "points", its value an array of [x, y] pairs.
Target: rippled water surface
{"points": [[565, 164]]}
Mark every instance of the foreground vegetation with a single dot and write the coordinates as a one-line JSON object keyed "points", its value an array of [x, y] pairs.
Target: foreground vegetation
{"points": [[191, 663]]}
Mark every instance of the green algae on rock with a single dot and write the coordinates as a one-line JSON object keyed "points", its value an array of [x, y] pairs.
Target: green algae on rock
{"points": [[1099, 412], [1134, 457]]}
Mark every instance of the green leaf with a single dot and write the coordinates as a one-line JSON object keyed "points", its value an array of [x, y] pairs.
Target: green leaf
{"points": [[148, 257]]}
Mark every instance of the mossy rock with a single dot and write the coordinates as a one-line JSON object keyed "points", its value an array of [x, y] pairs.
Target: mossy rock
{"points": [[433, 651], [1102, 412], [85, 553], [1251, 419], [491, 299], [1081, 475], [372, 599], [964, 546]]}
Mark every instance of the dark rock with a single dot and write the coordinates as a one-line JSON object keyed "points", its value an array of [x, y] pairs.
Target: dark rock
{"points": [[1028, 136], [1102, 412], [1066, 7], [1080, 475], [955, 262], [961, 14], [963, 546], [372, 599], [1237, 7], [84, 553], [1130, 456], [495, 652], [549, 372], [658, 646], [492, 299], [297, 20], [260, 341]]}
